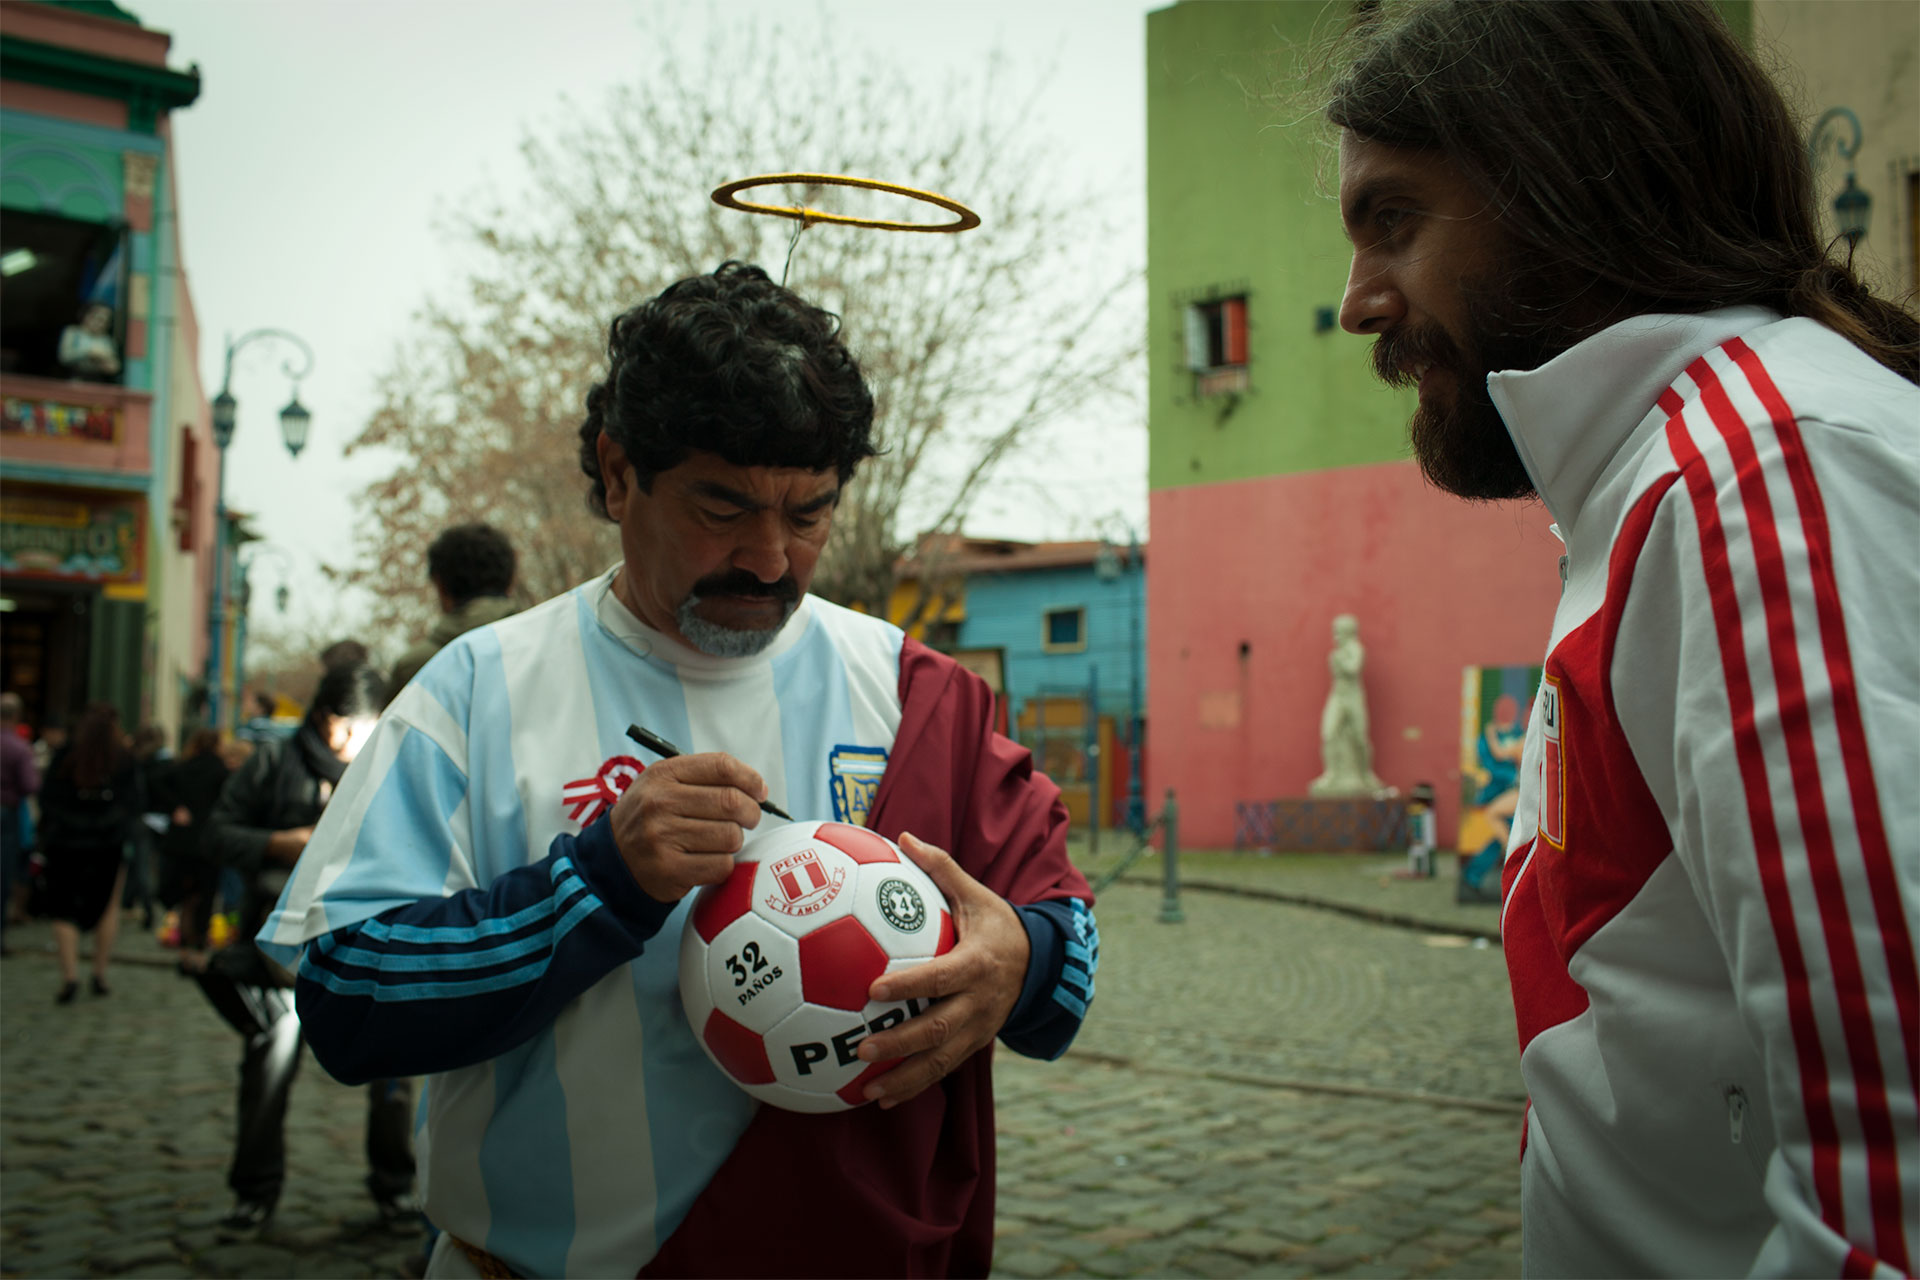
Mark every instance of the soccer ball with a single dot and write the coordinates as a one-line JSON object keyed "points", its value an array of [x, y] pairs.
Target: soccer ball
{"points": [[776, 960]]}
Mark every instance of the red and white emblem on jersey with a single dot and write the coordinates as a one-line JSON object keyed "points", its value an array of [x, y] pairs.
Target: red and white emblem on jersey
{"points": [[585, 799], [805, 885], [1553, 765]]}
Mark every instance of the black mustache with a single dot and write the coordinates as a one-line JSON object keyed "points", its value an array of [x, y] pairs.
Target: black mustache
{"points": [[1400, 348], [742, 583]]}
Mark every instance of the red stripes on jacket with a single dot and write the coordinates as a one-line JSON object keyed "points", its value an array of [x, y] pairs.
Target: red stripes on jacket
{"points": [[1770, 538]]}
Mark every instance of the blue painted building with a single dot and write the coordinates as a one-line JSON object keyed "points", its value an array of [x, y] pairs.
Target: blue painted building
{"points": [[1059, 628]]}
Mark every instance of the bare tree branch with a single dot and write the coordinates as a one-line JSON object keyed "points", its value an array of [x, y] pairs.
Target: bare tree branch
{"points": [[975, 344]]}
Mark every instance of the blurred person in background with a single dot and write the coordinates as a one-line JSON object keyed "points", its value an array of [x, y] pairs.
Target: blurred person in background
{"points": [[50, 743], [89, 803], [259, 825], [19, 779], [344, 653], [471, 567], [155, 759], [187, 875], [259, 727]]}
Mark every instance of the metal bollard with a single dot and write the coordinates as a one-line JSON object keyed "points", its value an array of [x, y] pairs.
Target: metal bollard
{"points": [[1170, 912]]}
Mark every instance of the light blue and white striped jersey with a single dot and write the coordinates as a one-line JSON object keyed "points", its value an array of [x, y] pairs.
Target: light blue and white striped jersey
{"points": [[610, 1121]]}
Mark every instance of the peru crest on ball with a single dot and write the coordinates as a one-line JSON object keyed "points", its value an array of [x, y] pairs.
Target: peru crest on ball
{"points": [[776, 960]]}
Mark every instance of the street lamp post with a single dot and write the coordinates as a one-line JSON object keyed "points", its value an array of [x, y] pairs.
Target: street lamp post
{"points": [[1107, 568], [1136, 802], [295, 422], [241, 625], [1852, 207]]}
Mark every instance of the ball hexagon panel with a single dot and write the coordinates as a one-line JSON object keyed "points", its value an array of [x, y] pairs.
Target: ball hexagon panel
{"points": [[838, 962], [741, 1053], [753, 972], [694, 998], [901, 908], [858, 843], [813, 1050], [804, 885], [721, 904], [854, 1093]]}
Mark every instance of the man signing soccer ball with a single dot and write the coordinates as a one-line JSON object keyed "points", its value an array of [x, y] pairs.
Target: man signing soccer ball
{"points": [[495, 897]]}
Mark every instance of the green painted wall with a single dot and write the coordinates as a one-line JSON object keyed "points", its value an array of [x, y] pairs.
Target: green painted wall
{"points": [[46, 170], [1238, 196], [1240, 185]]}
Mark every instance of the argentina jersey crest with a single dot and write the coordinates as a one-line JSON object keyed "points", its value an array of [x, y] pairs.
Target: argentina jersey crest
{"points": [[854, 777]]}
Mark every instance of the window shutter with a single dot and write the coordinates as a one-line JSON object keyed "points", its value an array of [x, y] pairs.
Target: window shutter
{"points": [[1236, 326], [184, 502], [1197, 339]]}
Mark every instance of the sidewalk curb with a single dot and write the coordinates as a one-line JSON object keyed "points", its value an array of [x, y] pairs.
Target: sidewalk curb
{"points": [[1374, 915]]}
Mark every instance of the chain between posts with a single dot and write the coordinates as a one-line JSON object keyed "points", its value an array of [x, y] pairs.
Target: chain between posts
{"points": [[1167, 821]]}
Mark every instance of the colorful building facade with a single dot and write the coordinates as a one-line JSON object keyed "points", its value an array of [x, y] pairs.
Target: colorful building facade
{"points": [[1281, 490], [1058, 631], [106, 460]]}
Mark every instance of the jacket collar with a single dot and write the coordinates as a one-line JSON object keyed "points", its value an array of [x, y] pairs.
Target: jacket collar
{"points": [[1570, 417]]}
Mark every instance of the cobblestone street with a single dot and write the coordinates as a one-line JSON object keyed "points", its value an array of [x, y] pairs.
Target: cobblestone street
{"points": [[1264, 1090]]}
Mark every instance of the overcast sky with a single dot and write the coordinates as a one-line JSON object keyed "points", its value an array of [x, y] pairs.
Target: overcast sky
{"points": [[329, 132]]}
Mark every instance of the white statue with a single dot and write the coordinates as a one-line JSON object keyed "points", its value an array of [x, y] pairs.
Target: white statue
{"points": [[87, 349], [1346, 755]]}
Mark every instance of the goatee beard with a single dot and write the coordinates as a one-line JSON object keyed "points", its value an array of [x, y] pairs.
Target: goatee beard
{"points": [[717, 641], [1464, 448]]}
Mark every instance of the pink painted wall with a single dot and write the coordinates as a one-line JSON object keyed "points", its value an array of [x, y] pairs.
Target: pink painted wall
{"points": [[63, 104], [130, 451], [1437, 584], [108, 37]]}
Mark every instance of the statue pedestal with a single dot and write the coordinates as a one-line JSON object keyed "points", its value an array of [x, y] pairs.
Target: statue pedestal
{"points": [[1323, 824]]}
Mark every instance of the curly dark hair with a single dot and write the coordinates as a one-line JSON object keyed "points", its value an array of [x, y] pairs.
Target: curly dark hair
{"points": [[471, 560], [1636, 149], [733, 364]]}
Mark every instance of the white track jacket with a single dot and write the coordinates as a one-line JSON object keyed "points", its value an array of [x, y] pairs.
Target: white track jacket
{"points": [[1714, 878]]}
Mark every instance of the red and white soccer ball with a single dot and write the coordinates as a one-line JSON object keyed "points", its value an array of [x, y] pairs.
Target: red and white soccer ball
{"points": [[776, 960]]}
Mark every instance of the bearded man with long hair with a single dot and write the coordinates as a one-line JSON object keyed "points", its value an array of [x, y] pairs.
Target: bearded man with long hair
{"points": [[1587, 234]]}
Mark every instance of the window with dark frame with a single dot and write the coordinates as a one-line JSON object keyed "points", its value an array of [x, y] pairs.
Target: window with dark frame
{"points": [[1066, 630], [55, 270], [1217, 345]]}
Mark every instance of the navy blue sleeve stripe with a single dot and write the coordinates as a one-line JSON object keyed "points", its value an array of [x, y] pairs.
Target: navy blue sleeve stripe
{"points": [[1064, 952], [403, 958], [447, 982], [339, 949], [380, 929]]}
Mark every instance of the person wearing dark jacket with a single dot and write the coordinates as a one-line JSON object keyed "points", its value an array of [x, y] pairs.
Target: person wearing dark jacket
{"points": [[186, 795], [90, 800], [259, 826]]}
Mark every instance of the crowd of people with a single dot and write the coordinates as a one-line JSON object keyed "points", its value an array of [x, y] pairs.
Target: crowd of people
{"points": [[101, 822]]}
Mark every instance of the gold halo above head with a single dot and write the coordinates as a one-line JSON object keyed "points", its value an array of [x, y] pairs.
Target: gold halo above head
{"points": [[965, 219]]}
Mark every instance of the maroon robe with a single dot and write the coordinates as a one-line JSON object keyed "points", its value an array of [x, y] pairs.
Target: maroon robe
{"points": [[906, 1192]]}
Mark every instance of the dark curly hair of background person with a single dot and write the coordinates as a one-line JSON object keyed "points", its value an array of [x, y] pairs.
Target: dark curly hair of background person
{"points": [[733, 364], [471, 560]]}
